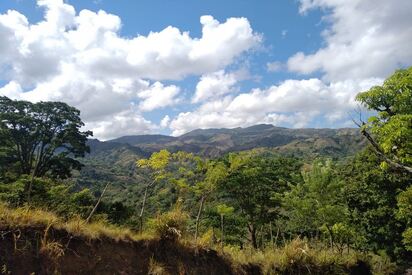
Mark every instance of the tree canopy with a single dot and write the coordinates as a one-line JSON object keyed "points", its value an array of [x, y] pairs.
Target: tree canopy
{"points": [[42, 138], [390, 130]]}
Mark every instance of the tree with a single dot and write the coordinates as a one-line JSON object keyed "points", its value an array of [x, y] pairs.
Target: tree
{"points": [[317, 203], [390, 130], [156, 166], [200, 177], [370, 194], [223, 210], [405, 214], [43, 138], [255, 185]]}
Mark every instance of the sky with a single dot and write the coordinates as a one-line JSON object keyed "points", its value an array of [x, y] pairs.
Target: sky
{"points": [[172, 66]]}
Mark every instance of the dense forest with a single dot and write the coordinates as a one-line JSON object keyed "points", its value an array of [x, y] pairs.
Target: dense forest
{"points": [[297, 208]]}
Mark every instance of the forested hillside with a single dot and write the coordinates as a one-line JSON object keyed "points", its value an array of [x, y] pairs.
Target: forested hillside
{"points": [[257, 200], [114, 161]]}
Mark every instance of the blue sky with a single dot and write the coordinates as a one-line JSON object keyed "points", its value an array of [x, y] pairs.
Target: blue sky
{"points": [[131, 68]]}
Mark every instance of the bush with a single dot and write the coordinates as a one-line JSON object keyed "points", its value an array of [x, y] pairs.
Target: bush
{"points": [[169, 226]]}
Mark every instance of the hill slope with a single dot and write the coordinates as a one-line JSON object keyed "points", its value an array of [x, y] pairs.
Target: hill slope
{"points": [[114, 161], [216, 142]]}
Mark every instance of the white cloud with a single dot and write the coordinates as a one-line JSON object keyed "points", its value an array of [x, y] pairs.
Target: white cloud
{"points": [[366, 38], [164, 123], [80, 58], [126, 123], [274, 66], [158, 96], [214, 85], [11, 90], [293, 103]]}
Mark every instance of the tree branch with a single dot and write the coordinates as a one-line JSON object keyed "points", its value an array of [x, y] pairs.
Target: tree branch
{"points": [[376, 148]]}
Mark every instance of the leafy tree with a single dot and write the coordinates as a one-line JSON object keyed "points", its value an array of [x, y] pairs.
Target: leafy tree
{"points": [[200, 177], [156, 165], [61, 198], [405, 214], [255, 186], [371, 196], [223, 210], [42, 138], [390, 130], [317, 203]]}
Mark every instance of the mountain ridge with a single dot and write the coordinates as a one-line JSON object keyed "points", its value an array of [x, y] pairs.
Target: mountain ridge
{"points": [[218, 141]]}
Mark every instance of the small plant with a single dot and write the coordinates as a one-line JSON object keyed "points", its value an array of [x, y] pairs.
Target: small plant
{"points": [[170, 225], [156, 268]]}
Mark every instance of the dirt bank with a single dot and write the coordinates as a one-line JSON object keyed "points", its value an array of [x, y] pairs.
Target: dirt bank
{"points": [[25, 250]]}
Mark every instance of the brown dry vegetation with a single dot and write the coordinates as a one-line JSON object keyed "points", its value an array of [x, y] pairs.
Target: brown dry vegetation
{"points": [[33, 240], [38, 241]]}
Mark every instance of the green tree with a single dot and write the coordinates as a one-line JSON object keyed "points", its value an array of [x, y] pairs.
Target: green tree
{"points": [[405, 214], [223, 210], [255, 186], [42, 138], [156, 166], [317, 203], [200, 177], [390, 130], [371, 196]]}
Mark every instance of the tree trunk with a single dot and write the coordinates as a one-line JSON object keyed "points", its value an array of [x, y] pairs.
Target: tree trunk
{"points": [[223, 231], [97, 203], [199, 213], [382, 155], [143, 208], [331, 236], [277, 236], [252, 236], [271, 234]]}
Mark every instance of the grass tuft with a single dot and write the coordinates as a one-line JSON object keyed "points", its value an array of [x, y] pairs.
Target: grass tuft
{"points": [[25, 216]]}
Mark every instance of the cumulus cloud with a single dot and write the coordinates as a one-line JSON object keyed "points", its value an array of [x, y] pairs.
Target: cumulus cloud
{"points": [[164, 123], [293, 103], [126, 122], [214, 85], [365, 38], [158, 96], [80, 58]]}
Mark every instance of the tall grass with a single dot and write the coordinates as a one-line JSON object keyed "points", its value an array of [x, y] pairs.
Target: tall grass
{"points": [[300, 257], [29, 217]]}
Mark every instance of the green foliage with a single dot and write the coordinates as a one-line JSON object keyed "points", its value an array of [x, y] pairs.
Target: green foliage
{"points": [[316, 203], [407, 238], [41, 138], [392, 125], [223, 209], [405, 214], [405, 205], [255, 186], [371, 195]]}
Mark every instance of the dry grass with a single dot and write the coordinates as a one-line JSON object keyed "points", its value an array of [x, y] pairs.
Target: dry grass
{"points": [[156, 268], [25, 216], [298, 257]]}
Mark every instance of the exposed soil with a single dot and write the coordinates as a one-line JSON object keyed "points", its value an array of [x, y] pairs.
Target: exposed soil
{"points": [[25, 251], [22, 252]]}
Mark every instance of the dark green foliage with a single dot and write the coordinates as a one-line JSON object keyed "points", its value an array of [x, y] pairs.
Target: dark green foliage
{"points": [[371, 195], [40, 138], [255, 186]]}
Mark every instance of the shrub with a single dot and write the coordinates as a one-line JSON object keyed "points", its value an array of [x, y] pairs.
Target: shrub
{"points": [[169, 226]]}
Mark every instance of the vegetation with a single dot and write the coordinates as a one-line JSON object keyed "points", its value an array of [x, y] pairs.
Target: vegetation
{"points": [[282, 213], [390, 131]]}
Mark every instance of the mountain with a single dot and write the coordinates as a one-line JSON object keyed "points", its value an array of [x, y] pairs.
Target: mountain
{"points": [[114, 161], [216, 142]]}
